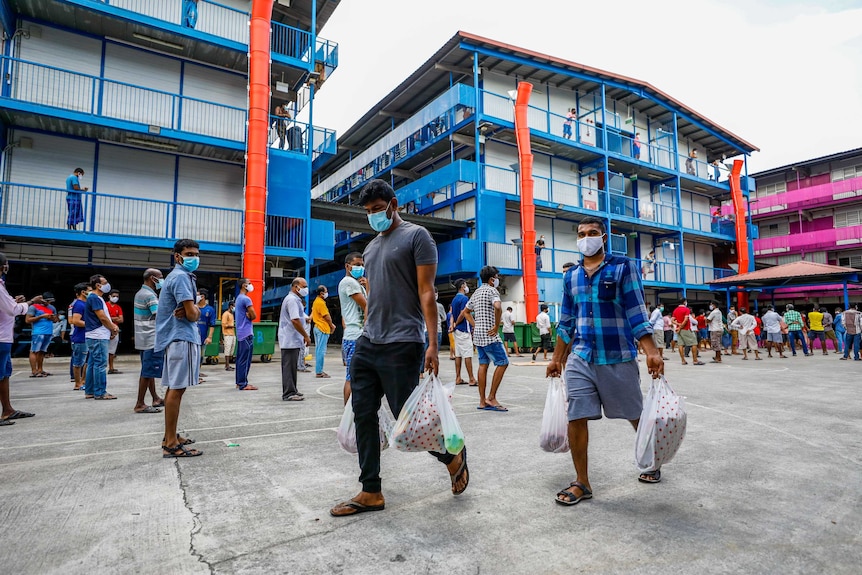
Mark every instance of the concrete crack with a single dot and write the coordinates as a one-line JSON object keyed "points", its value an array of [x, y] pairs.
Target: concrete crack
{"points": [[197, 525]]}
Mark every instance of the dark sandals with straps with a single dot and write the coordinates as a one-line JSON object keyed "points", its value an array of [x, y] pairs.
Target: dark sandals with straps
{"points": [[180, 451], [566, 497]]}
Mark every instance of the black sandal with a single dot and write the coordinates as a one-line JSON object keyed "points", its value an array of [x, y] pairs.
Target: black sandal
{"points": [[180, 451], [570, 498], [461, 471], [186, 441], [650, 477]]}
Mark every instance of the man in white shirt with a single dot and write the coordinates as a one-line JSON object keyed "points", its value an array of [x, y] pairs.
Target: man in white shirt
{"points": [[745, 325], [543, 322], [716, 330], [656, 319], [774, 338], [509, 331]]}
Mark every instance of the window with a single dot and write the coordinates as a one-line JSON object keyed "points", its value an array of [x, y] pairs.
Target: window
{"points": [[848, 217], [770, 189], [846, 173], [774, 229], [851, 261]]}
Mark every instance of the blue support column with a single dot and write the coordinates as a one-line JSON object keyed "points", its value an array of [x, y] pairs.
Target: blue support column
{"points": [[846, 296], [675, 141]]}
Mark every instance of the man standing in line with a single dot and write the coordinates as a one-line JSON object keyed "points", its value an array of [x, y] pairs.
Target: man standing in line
{"points": [[829, 329], [840, 332], [245, 313], [206, 321], [716, 330], [734, 334], [483, 311], [745, 325], [602, 315], [152, 361], [686, 337], [401, 264], [543, 322], [228, 331], [99, 332], [291, 337], [74, 206], [76, 337], [323, 328], [352, 291], [815, 330], [772, 325], [461, 328], [41, 318], [853, 327], [509, 331], [115, 312], [656, 320], [10, 308], [178, 338], [793, 319]]}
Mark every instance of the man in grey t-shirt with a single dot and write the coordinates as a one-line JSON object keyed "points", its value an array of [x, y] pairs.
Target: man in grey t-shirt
{"points": [[401, 265]]}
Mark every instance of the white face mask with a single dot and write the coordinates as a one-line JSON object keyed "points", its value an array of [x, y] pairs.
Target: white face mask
{"points": [[466, 289], [249, 288], [115, 299], [590, 245], [303, 292], [105, 288], [199, 298], [494, 282]]}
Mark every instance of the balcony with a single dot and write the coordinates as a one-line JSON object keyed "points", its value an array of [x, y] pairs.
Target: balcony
{"points": [[831, 239], [40, 212], [88, 98], [293, 136], [832, 193]]}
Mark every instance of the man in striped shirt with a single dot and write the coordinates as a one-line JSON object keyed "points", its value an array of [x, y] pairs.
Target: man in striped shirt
{"points": [[603, 313], [152, 362]]}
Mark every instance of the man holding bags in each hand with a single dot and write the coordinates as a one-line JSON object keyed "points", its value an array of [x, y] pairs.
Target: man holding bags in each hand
{"points": [[401, 264], [603, 313]]}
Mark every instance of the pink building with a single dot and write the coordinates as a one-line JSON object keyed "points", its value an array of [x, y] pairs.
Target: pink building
{"points": [[811, 210]]}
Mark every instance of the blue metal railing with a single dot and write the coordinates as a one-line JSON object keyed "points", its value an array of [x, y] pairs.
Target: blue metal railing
{"points": [[26, 206], [59, 88], [291, 135]]}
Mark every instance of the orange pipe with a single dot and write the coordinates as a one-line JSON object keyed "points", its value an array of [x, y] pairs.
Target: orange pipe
{"points": [[739, 210], [528, 207], [253, 248]]}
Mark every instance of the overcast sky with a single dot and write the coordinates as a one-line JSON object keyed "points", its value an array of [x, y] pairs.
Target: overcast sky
{"points": [[783, 75]]}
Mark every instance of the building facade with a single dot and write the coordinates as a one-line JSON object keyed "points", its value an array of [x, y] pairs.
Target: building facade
{"points": [[150, 99], [811, 210], [603, 145]]}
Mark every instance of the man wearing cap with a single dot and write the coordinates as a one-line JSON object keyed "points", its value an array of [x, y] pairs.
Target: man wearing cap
{"points": [[41, 318]]}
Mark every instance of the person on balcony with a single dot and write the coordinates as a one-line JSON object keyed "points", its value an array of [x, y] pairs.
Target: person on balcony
{"points": [[636, 146], [282, 111], [74, 205], [649, 263], [567, 124], [540, 245], [689, 163]]}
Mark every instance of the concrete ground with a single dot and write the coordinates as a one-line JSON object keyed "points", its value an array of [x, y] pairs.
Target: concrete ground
{"points": [[768, 480]]}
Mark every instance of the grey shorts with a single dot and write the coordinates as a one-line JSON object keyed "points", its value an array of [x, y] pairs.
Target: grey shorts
{"points": [[181, 365], [616, 388], [775, 337]]}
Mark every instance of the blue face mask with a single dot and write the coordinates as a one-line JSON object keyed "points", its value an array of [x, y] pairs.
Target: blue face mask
{"points": [[159, 284], [191, 263], [380, 221], [357, 271]]}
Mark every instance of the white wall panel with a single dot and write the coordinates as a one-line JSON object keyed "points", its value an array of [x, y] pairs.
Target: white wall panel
{"points": [[209, 185], [207, 87], [141, 78]]}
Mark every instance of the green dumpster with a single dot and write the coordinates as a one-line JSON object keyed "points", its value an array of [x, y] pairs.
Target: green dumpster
{"points": [[522, 331], [213, 350], [265, 333]]}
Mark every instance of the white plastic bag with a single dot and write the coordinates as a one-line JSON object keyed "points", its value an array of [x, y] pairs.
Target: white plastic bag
{"points": [[661, 428], [554, 436], [346, 432], [420, 424]]}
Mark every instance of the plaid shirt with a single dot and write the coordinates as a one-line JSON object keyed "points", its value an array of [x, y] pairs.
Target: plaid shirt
{"points": [[793, 319], [482, 306], [604, 314]]}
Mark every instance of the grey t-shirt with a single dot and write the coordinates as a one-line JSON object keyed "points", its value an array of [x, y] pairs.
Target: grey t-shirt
{"points": [[394, 311]]}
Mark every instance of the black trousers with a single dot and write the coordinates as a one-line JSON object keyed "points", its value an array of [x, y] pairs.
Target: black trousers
{"points": [[289, 359], [377, 370]]}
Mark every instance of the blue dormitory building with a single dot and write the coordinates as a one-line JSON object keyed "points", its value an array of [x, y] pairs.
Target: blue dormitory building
{"points": [[604, 145], [150, 99]]}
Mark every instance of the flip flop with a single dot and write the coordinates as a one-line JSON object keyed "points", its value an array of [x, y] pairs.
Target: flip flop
{"points": [[46, 374], [495, 408], [38, 375], [355, 507], [180, 451], [19, 415], [571, 498], [160, 404], [149, 409], [4, 422], [650, 477], [462, 469]]}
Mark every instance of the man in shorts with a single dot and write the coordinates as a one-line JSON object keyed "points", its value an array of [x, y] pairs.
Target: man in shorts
{"points": [[509, 331], [178, 337], [41, 318], [483, 313], [76, 337], [351, 295], [228, 331], [686, 336], [745, 324], [460, 328], [543, 323], [715, 325], [602, 370], [152, 362], [774, 337]]}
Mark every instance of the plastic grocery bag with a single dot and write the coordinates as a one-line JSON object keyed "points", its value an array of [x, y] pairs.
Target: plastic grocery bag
{"points": [[420, 424], [554, 437], [661, 428], [346, 432]]}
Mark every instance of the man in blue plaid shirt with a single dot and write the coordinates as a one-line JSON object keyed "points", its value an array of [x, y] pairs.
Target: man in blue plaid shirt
{"points": [[602, 315]]}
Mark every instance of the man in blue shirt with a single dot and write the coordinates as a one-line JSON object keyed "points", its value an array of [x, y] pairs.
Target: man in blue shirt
{"points": [[603, 313], [73, 199], [462, 332], [79, 343], [99, 330], [206, 323], [245, 314], [178, 337], [41, 318]]}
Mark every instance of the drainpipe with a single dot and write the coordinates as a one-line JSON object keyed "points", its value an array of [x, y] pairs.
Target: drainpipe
{"points": [[528, 207]]}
